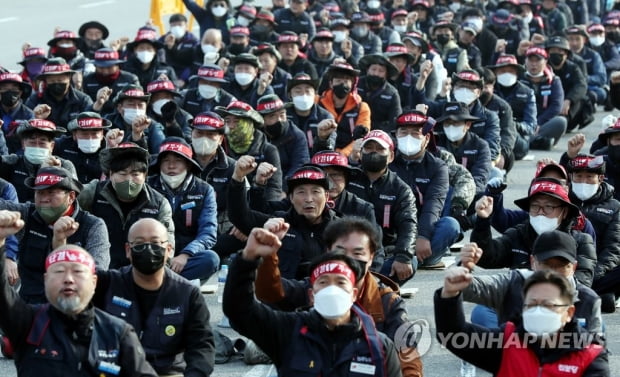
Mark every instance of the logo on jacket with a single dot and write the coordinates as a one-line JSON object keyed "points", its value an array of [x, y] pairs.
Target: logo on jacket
{"points": [[122, 302], [152, 211], [568, 368], [387, 197], [169, 311]]}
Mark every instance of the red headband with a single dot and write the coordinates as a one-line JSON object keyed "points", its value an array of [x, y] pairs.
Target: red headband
{"points": [[330, 158], [56, 68], [72, 256], [333, 267], [90, 122], [204, 120], [185, 150], [271, 105], [211, 72], [106, 55], [546, 187], [42, 124], [47, 179], [308, 174]]}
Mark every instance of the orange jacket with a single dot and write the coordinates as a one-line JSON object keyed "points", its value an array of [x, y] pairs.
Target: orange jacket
{"points": [[354, 113]]}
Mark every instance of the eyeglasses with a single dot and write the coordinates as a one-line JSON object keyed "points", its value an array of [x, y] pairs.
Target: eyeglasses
{"points": [[545, 305], [547, 209], [141, 246]]}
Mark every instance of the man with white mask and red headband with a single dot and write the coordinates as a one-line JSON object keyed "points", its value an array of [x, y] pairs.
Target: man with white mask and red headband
{"points": [[334, 337]]}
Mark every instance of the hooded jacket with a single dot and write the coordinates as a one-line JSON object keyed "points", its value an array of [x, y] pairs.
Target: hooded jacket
{"points": [[355, 112]]}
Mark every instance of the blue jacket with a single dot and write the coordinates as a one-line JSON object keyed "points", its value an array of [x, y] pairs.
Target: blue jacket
{"points": [[206, 20], [428, 179], [8, 192], [523, 103], [153, 136], [473, 153], [194, 213], [549, 97], [610, 55], [597, 74], [9, 142], [309, 128], [487, 128], [287, 21]]}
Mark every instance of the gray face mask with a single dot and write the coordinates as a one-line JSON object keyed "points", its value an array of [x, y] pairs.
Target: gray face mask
{"points": [[127, 190]]}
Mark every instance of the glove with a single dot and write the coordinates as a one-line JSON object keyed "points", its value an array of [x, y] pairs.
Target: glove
{"points": [[458, 207], [522, 128], [168, 111], [496, 186]]}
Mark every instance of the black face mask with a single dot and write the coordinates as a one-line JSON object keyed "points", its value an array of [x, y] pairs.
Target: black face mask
{"points": [[236, 48], [374, 162], [485, 97], [149, 259], [442, 39], [500, 31], [57, 89], [9, 98], [260, 29], [613, 36], [556, 58], [375, 81], [613, 152], [275, 130], [341, 90]]}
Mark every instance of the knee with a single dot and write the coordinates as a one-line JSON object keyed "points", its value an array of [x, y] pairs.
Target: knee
{"points": [[448, 226]]}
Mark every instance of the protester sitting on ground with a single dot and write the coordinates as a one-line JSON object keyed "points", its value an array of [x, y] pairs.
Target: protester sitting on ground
{"points": [[549, 208], [524, 350], [348, 334]]}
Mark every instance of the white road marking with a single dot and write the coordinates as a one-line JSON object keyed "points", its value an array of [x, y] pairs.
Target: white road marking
{"points": [[8, 19], [97, 4]]}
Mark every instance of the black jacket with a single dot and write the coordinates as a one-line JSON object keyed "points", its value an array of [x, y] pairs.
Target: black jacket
{"points": [[428, 179], [65, 110], [101, 338], [91, 85], [155, 69], [604, 213], [292, 149], [176, 334], [194, 104], [298, 342], [309, 126], [573, 81], [248, 95], [390, 196], [302, 243], [507, 129], [300, 65], [514, 247], [87, 166], [450, 320], [263, 151], [218, 173], [384, 103]]}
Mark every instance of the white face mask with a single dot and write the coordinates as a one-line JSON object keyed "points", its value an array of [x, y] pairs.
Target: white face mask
{"points": [[208, 48], [218, 10], [243, 78], [89, 146], [207, 91], [454, 7], [584, 191], [400, 28], [507, 79], [303, 103], [476, 21], [65, 45], [539, 74], [204, 146], [174, 181], [129, 115], [243, 21], [332, 302], [467, 96], [528, 18], [157, 105], [177, 31], [541, 321], [597, 41], [454, 133], [373, 4], [35, 155], [145, 56], [339, 35], [210, 57], [542, 224], [409, 145]]}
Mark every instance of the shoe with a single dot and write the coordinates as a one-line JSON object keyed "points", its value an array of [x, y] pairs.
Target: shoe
{"points": [[254, 355], [437, 266], [608, 303], [542, 143], [7, 347], [586, 121]]}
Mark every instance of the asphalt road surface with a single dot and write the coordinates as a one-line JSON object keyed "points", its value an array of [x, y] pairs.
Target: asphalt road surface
{"points": [[34, 22]]}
